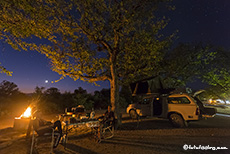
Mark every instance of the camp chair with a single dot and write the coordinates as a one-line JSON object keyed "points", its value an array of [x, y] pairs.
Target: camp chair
{"points": [[50, 132], [104, 131]]}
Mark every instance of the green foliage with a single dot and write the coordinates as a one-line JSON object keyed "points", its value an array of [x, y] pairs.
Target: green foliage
{"points": [[52, 101], [80, 90], [38, 92], [218, 75], [185, 63], [49, 100], [91, 40], [84, 38], [52, 97], [4, 70], [66, 100], [83, 99], [101, 99], [52, 91]]}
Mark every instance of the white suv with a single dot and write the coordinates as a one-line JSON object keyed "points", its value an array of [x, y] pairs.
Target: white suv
{"points": [[178, 108]]}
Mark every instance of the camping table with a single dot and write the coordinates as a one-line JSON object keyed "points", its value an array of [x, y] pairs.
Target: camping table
{"points": [[68, 126], [99, 129]]}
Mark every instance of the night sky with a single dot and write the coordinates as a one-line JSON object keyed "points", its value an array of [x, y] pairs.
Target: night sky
{"points": [[197, 20]]}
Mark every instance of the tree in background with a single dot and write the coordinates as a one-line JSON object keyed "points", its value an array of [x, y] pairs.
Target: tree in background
{"points": [[52, 100], [218, 75], [38, 92], [91, 40], [11, 98], [186, 62], [210, 64], [80, 90], [38, 97], [101, 99], [66, 100], [81, 97], [8, 89]]}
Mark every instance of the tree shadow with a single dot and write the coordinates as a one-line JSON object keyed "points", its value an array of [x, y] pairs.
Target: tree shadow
{"points": [[138, 142], [73, 148], [145, 124], [159, 123]]}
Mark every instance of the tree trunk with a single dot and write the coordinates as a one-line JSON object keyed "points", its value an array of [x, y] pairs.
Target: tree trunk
{"points": [[114, 94]]}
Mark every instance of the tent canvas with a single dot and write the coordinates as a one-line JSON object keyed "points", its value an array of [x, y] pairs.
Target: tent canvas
{"points": [[150, 85]]}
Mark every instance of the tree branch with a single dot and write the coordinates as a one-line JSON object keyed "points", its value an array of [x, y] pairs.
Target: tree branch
{"points": [[89, 78]]}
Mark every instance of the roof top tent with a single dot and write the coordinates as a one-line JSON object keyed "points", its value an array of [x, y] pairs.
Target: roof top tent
{"points": [[155, 87], [150, 86]]}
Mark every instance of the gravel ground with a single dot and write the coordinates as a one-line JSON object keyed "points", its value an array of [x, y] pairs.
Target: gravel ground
{"points": [[151, 136]]}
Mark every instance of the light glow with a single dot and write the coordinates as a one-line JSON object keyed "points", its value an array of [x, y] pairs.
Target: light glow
{"points": [[210, 100], [26, 114]]}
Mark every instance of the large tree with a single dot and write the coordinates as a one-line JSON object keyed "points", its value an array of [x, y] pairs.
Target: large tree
{"points": [[218, 74], [91, 40], [186, 62]]}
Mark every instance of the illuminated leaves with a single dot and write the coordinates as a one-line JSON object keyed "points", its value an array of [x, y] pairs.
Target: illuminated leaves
{"points": [[91, 40], [218, 74], [83, 39], [4, 70]]}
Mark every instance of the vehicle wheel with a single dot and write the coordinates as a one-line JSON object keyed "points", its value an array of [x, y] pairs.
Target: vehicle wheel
{"points": [[133, 114], [177, 121]]}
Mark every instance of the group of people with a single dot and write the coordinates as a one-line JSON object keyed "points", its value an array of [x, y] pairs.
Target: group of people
{"points": [[42, 126]]}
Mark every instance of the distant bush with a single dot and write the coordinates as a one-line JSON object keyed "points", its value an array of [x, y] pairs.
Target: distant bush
{"points": [[51, 100]]}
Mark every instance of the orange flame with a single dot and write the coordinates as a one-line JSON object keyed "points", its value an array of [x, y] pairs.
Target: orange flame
{"points": [[26, 114]]}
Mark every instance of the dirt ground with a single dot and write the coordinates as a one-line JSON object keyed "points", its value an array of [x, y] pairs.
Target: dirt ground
{"points": [[151, 136]]}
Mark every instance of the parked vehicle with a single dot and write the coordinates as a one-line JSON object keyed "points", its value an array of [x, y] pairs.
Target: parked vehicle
{"points": [[178, 108], [76, 111]]}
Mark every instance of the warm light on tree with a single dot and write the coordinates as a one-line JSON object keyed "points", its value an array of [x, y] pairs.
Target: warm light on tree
{"points": [[91, 40]]}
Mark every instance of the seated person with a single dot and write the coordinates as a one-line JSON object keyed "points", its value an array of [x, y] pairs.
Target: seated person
{"points": [[42, 127], [108, 117]]}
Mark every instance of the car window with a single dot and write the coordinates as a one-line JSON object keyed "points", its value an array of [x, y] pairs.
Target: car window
{"points": [[178, 100], [146, 101]]}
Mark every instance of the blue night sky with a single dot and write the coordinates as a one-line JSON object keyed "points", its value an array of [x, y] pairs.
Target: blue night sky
{"points": [[197, 20]]}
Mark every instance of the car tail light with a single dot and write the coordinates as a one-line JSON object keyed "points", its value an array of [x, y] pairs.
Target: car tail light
{"points": [[197, 111]]}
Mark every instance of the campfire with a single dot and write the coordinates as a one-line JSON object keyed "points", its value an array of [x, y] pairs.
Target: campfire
{"points": [[26, 114], [22, 122]]}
